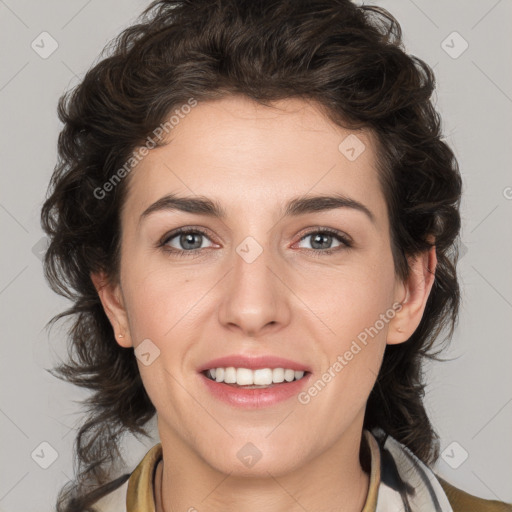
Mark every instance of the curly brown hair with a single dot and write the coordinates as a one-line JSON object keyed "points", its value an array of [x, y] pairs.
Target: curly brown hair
{"points": [[350, 60]]}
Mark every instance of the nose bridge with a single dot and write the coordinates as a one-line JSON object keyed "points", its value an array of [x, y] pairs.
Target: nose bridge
{"points": [[254, 296]]}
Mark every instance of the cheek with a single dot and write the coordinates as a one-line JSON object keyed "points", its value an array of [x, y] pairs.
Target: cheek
{"points": [[357, 306], [158, 296], [354, 355], [353, 299]]}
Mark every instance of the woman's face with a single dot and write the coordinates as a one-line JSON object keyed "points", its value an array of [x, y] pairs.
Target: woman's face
{"points": [[262, 281]]}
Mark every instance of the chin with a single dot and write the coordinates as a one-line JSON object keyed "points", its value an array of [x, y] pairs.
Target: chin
{"points": [[250, 461]]}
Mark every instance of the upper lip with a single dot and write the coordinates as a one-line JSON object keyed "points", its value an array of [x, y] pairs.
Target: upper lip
{"points": [[253, 363]]}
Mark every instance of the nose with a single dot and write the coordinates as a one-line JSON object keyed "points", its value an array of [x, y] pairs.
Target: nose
{"points": [[255, 297]]}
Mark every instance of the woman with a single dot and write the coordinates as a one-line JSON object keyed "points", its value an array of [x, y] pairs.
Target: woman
{"points": [[294, 146]]}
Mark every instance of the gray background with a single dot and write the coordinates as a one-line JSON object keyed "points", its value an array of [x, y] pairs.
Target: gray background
{"points": [[469, 398]]}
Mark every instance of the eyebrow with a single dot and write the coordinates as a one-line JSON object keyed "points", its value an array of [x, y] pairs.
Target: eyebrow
{"points": [[201, 205]]}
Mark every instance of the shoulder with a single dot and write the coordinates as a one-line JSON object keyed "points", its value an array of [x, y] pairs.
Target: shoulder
{"points": [[136, 493], [114, 501], [404, 478], [461, 501]]}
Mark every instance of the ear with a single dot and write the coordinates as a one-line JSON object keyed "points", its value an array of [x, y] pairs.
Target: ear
{"points": [[112, 300], [413, 294]]}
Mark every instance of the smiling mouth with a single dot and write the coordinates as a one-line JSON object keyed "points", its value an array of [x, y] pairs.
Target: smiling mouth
{"points": [[254, 379]]}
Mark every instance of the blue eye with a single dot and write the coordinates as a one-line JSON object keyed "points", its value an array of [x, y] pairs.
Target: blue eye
{"points": [[325, 236], [190, 241]]}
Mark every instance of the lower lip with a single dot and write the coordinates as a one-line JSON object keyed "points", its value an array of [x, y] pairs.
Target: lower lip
{"points": [[256, 397]]}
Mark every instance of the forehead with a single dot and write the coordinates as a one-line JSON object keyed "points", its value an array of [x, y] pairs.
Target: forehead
{"points": [[249, 156]]}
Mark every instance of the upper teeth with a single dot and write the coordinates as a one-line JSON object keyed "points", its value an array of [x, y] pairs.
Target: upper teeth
{"points": [[260, 377]]}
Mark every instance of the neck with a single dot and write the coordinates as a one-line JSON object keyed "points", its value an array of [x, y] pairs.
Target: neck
{"points": [[333, 481]]}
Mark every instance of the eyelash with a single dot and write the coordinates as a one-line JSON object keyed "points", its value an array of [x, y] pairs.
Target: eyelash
{"points": [[194, 252]]}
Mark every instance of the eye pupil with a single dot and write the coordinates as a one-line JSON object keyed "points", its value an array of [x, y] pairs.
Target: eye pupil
{"points": [[319, 238], [188, 238]]}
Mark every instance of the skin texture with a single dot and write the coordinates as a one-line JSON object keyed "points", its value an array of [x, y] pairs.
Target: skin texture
{"points": [[287, 302]]}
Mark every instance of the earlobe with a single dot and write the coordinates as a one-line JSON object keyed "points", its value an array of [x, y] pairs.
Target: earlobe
{"points": [[414, 292], [111, 299]]}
